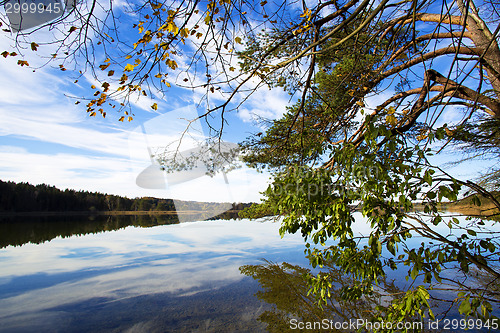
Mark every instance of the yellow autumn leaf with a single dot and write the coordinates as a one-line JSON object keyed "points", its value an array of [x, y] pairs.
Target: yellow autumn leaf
{"points": [[154, 106], [171, 63], [307, 13], [391, 120], [237, 40], [121, 118], [360, 103], [171, 27], [129, 68], [184, 32], [208, 18]]}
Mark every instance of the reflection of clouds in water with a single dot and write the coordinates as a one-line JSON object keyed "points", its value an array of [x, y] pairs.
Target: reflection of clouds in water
{"points": [[182, 259]]}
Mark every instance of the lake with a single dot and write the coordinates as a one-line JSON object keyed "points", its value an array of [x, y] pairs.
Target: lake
{"points": [[177, 277], [146, 274]]}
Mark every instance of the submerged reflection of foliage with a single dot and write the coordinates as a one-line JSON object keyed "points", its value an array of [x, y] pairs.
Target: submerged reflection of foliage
{"points": [[286, 287]]}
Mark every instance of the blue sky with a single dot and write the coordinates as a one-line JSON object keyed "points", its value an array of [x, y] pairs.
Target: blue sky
{"points": [[46, 138]]}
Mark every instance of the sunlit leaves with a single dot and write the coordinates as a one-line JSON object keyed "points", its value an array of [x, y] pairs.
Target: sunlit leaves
{"points": [[184, 32], [171, 63], [307, 14], [105, 86], [129, 68], [162, 30], [104, 66]]}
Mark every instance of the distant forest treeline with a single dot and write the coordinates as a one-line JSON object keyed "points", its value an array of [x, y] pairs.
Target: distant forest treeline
{"points": [[24, 197]]}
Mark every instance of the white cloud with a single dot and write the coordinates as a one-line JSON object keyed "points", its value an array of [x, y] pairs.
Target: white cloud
{"points": [[265, 103], [103, 174]]}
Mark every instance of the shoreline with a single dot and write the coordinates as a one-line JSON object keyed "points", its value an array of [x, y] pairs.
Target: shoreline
{"points": [[109, 213]]}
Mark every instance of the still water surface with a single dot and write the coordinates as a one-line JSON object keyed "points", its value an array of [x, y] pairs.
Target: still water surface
{"points": [[148, 274], [179, 277]]}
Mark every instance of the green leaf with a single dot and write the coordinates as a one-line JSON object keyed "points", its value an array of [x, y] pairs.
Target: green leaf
{"points": [[465, 307]]}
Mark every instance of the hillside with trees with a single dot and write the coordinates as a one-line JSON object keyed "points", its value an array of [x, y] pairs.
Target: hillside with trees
{"points": [[43, 198]]}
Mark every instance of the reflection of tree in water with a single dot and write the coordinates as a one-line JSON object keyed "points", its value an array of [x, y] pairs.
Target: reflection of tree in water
{"points": [[285, 286], [20, 230], [489, 285]]}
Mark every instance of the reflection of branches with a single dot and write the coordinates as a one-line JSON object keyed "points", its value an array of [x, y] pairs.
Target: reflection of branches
{"points": [[286, 288]]}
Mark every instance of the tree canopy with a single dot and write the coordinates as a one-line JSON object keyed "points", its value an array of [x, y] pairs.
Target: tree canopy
{"points": [[378, 88]]}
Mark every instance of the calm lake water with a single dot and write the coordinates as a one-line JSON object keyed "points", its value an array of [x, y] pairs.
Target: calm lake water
{"points": [[141, 273], [180, 277]]}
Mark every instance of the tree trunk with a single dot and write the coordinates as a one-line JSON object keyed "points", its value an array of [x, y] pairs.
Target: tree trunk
{"points": [[485, 41]]}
